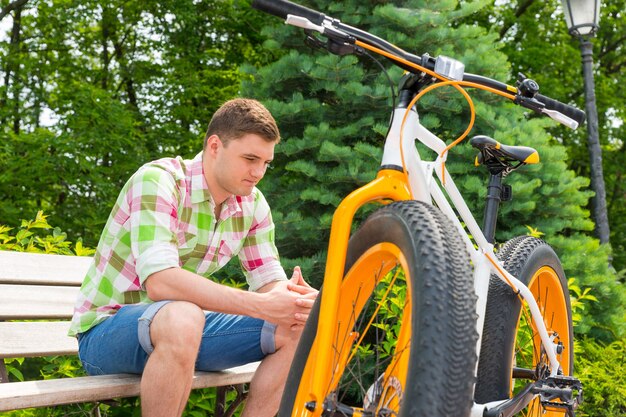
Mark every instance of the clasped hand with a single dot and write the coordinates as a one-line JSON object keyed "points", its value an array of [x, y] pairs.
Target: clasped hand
{"points": [[292, 301]]}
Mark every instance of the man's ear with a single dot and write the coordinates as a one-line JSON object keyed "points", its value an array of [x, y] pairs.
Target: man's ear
{"points": [[213, 144]]}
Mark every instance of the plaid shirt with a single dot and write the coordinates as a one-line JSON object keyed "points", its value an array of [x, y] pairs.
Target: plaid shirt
{"points": [[163, 218]]}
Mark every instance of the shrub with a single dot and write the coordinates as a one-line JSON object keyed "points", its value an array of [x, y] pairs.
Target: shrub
{"points": [[602, 370]]}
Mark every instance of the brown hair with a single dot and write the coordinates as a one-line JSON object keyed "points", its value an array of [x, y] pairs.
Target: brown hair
{"points": [[241, 116]]}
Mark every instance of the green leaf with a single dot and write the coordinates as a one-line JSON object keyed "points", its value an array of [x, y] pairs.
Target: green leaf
{"points": [[23, 235], [16, 373]]}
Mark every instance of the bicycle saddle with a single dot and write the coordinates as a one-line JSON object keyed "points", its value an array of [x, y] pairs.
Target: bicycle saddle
{"points": [[493, 153]]}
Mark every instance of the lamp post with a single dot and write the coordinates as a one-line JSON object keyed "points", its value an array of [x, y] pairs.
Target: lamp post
{"points": [[582, 17]]}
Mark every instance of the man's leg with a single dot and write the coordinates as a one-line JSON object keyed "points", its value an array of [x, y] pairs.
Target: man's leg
{"points": [[176, 332], [266, 388]]}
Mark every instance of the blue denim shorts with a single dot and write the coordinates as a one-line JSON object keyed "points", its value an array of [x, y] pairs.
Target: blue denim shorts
{"points": [[121, 343]]}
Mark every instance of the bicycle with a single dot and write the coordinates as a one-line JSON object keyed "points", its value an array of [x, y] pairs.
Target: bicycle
{"points": [[415, 318]]}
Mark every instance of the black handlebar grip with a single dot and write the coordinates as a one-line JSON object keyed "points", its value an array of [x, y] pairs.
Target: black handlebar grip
{"points": [[282, 8], [569, 111]]}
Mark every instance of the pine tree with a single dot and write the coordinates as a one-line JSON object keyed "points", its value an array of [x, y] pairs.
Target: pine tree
{"points": [[333, 114]]}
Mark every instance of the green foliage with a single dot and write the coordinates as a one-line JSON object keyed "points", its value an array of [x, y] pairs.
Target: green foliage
{"points": [[12, 366], [34, 236], [602, 370], [579, 298], [93, 89], [534, 232], [585, 259]]}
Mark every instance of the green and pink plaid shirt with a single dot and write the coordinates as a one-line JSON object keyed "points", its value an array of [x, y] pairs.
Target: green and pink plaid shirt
{"points": [[163, 218]]}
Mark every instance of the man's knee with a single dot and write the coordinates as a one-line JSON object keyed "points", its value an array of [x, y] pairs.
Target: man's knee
{"points": [[178, 326], [286, 338]]}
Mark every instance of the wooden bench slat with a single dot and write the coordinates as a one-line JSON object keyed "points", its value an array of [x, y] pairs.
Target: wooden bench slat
{"points": [[36, 301], [42, 268], [19, 395], [31, 339]]}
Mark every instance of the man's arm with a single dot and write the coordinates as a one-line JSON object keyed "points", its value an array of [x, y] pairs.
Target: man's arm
{"points": [[277, 304]]}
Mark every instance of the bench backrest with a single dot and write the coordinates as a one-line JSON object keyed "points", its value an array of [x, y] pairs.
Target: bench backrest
{"points": [[38, 287]]}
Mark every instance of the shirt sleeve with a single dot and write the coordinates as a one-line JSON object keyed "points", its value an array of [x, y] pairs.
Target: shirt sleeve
{"points": [[153, 202], [259, 255]]}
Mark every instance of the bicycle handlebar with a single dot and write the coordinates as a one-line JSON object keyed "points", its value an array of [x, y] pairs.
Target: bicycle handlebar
{"points": [[569, 111], [282, 8], [561, 112]]}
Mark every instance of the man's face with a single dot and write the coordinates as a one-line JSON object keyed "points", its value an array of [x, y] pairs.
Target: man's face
{"points": [[238, 166]]}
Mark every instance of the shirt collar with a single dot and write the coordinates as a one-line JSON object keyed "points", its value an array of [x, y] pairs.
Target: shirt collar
{"points": [[231, 206], [199, 187]]}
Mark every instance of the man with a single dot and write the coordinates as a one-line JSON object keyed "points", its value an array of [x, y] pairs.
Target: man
{"points": [[146, 305]]}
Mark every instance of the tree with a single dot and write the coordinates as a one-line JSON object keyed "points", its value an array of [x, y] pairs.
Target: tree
{"points": [[333, 114], [92, 89]]}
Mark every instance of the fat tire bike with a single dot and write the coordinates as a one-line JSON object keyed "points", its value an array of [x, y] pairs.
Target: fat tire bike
{"points": [[415, 318]]}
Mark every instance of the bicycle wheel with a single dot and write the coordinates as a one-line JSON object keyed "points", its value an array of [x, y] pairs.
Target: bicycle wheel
{"points": [[511, 353], [406, 330]]}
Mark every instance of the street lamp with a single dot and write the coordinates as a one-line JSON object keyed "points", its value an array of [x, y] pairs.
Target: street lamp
{"points": [[582, 17]]}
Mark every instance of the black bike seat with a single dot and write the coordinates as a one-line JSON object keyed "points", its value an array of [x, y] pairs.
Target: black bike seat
{"points": [[492, 148]]}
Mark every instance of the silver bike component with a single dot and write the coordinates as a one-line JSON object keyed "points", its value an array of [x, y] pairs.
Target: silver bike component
{"points": [[561, 118], [303, 23], [449, 68]]}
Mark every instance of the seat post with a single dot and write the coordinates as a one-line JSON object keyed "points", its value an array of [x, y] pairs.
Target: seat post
{"points": [[492, 204]]}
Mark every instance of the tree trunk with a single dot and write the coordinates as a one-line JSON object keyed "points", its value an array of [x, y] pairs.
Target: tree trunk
{"points": [[13, 68], [18, 4], [127, 80], [106, 59]]}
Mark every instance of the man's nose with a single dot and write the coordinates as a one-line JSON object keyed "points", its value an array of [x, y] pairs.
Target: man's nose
{"points": [[259, 170]]}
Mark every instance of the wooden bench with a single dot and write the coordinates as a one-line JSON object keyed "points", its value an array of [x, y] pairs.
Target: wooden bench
{"points": [[43, 287]]}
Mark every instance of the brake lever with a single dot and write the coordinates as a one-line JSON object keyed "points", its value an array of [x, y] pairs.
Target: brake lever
{"points": [[561, 118], [539, 107], [339, 43], [328, 31], [303, 23]]}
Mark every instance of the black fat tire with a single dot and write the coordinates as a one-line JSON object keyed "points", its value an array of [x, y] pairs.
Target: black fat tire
{"points": [[522, 257], [444, 337]]}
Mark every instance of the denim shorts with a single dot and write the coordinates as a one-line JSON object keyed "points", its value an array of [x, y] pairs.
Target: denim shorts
{"points": [[121, 343]]}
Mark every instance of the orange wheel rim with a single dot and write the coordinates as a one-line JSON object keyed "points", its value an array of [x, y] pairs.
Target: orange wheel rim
{"points": [[380, 259], [546, 288]]}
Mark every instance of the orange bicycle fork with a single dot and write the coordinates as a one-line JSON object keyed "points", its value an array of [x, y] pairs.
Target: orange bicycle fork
{"points": [[389, 185]]}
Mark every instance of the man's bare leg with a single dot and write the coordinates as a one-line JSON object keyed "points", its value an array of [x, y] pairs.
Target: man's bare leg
{"points": [[176, 332], [266, 388]]}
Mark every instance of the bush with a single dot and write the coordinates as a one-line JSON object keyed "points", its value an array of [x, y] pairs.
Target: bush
{"points": [[34, 236], [602, 370]]}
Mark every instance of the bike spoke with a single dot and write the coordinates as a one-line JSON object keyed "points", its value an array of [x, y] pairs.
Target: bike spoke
{"points": [[372, 352]]}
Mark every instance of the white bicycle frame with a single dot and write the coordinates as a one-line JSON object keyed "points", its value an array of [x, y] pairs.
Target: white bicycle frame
{"points": [[400, 150], [424, 187]]}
